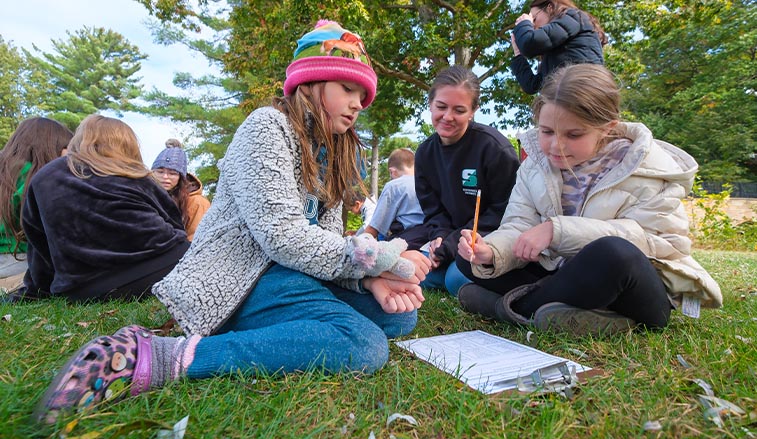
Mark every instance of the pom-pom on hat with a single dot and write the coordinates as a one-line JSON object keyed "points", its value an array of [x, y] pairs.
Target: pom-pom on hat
{"points": [[173, 157], [331, 53]]}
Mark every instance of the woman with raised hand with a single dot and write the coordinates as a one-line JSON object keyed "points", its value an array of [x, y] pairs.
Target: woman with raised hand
{"points": [[558, 33]]}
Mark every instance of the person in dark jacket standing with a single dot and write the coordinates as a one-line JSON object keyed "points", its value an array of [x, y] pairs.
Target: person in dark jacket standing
{"points": [[98, 225], [559, 33], [451, 166]]}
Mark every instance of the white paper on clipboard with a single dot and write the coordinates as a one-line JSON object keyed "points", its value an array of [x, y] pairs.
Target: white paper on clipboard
{"points": [[483, 361]]}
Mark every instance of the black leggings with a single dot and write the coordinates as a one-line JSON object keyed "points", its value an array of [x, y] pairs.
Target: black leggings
{"points": [[609, 273]]}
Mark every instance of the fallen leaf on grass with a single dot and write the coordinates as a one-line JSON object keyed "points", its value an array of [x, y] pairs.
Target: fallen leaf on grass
{"points": [[394, 416], [7, 318], [712, 415], [725, 406], [166, 328], [70, 427], [683, 362], [108, 313], [178, 431], [703, 384], [746, 340], [83, 324], [528, 336], [652, 426], [715, 408], [97, 434]]}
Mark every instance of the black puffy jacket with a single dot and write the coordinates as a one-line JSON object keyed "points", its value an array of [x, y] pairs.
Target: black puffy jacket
{"points": [[568, 39]]}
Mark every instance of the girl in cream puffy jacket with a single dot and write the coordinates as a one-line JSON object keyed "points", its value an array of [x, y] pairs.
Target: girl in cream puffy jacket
{"points": [[595, 235]]}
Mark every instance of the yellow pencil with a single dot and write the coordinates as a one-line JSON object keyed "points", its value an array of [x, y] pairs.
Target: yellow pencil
{"points": [[475, 220]]}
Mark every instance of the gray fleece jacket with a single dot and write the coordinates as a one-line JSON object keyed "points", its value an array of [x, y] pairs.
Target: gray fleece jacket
{"points": [[257, 218]]}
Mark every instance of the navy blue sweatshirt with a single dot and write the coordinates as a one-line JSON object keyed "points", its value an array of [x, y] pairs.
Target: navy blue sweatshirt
{"points": [[83, 231], [447, 178]]}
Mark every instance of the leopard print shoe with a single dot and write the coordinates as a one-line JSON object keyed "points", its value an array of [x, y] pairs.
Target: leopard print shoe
{"points": [[102, 370]]}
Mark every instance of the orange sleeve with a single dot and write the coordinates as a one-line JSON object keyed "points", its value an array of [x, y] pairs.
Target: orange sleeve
{"points": [[197, 207]]}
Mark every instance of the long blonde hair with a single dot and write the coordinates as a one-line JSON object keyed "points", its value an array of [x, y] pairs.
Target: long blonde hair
{"points": [[313, 128], [105, 146]]}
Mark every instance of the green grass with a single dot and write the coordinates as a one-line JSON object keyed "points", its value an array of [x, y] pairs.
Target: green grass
{"points": [[643, 379]]}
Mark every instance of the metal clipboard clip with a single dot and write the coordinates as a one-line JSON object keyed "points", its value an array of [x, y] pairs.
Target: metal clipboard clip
{"points": [[556, 378]]}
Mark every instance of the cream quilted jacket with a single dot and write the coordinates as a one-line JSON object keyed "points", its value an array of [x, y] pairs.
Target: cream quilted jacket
{"points": [[639, 200]]}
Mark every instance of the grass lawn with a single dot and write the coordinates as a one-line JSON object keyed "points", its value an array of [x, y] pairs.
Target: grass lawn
{"points": [[644, 380]]}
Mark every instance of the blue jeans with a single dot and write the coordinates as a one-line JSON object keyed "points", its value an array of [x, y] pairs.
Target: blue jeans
{"points": [[293, 322], [449, 278]]}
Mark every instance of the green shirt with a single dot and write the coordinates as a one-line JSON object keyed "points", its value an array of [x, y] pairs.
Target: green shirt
{"points": [[8, 243]]}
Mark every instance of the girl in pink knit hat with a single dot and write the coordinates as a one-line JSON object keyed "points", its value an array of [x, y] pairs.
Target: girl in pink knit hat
{"points": [[269, 283]]}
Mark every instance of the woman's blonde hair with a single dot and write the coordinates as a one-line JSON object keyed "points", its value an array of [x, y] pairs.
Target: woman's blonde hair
{"points": [[105, 146], [313, 128]]}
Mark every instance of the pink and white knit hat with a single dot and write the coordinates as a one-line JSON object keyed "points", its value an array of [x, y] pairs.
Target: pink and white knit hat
{"points": [[331, 53]]}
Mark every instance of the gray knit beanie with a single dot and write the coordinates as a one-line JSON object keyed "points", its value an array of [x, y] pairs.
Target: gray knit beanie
{"points": [[173, 157]]}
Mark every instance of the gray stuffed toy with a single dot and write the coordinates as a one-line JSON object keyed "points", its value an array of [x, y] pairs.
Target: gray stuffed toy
{"points": [[376, 257]]}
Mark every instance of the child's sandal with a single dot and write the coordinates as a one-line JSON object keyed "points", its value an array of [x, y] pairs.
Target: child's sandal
{"points": [[102, 370]]}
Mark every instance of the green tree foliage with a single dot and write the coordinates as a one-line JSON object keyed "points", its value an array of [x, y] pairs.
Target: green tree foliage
{"points": [[408, 44], [212, 106], [691, 76], [687, 66], [19, 97], [94, 69], [11, 102]]}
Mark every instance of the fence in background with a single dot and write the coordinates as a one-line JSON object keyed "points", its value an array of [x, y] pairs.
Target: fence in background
{"points": [[740, 190]]}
